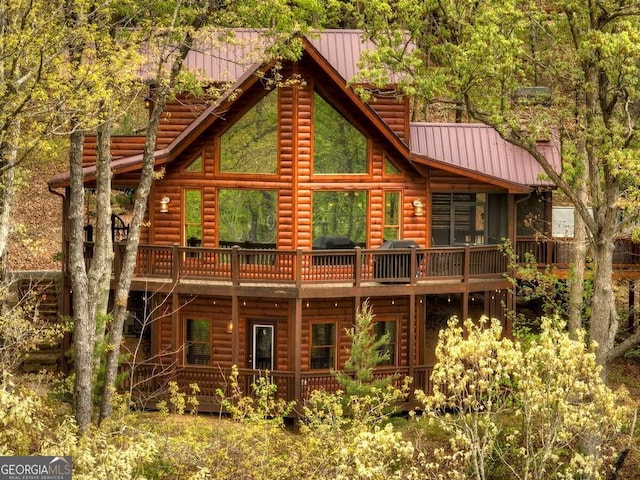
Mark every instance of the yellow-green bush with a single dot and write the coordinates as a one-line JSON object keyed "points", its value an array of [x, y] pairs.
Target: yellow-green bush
{"points": [[524, 413]]}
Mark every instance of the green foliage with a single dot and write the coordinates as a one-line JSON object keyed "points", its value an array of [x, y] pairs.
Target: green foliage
{"points": [[33, 426], [22, 330], [261, 405], [367, 352], [524, 411]]}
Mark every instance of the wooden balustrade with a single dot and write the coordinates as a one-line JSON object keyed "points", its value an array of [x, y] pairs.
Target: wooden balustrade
{"points": [[297, 267], [558, 251], [149, 381]]}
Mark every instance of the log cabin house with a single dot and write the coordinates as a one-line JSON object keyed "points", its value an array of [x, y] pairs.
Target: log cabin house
{"points": [[283, 208]]}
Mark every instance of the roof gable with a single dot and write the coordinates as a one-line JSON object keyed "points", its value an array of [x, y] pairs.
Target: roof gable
{"points": [[471, 150]]}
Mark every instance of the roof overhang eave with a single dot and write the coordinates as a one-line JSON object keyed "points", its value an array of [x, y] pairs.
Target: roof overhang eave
{"points": [[511, 187]]}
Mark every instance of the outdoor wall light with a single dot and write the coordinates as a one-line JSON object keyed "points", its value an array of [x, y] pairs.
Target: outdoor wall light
{"points": [[418, 208], [164, 204], [230, 326]]}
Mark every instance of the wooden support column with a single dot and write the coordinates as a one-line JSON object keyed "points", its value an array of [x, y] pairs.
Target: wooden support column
{"points": [[178, 354], [465, 306], [412, 334], [297, 350], [235, 335]]}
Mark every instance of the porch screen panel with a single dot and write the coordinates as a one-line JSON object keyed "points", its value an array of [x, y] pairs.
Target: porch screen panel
{"points": [[441, 219], [323, 345]]}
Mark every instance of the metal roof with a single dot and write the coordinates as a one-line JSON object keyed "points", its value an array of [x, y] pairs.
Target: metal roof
{"points": [[225, 55], [479, 148]]}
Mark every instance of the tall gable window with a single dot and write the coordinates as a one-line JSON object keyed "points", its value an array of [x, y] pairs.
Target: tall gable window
{"points": [[250, 145], [247, 217], [339, 147]]}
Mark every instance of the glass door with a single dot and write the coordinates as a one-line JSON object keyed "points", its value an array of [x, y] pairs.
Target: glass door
{"points": [[263, 348]]}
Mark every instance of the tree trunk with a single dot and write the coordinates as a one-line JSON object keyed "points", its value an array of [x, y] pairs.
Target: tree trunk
{"points": [[83, 316], [7, 188], [575, 280], [128, 262], [604, 321], [99, 275]]}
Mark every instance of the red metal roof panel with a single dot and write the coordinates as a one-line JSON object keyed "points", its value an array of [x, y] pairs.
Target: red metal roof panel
{"points": [[478, 147]]}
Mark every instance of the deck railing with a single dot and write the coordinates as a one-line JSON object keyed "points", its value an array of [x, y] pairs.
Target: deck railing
{"points": [[148, 382], [353, 266], [558, 251]]}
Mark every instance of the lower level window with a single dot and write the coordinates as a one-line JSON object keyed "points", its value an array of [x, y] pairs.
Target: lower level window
{"points": [[198, 342], [323, 345], [388, 349]]}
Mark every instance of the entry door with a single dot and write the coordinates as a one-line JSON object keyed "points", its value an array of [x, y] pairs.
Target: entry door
{"points": [[263, 347]]}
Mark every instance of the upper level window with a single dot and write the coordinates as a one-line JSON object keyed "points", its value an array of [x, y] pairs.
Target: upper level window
{"points": [[250, 145], [391, 223], [193, 217], [195, 166], [247, 216], [340, 213], [389, 168], [339, 147]]}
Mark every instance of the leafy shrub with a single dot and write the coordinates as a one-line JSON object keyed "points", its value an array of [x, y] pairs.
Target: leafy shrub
{"points": [[536, 412]]}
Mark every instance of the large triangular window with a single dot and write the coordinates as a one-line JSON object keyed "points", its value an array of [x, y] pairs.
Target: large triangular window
{"points": [[339, 147], [250, 145]]}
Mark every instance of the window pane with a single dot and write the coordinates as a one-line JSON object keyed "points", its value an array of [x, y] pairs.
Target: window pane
{"points": [[388, 328], [322, 346], [250, 145], [195, 166], [391, 216], [340, 214], [193, 217], [247, 216], [390, 168], [339, 147], [198, 346]]}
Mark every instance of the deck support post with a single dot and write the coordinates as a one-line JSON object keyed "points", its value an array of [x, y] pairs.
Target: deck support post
{"points": [[175, 327], [412, 335], [465, 306], [297, 350], [235, 335]]}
